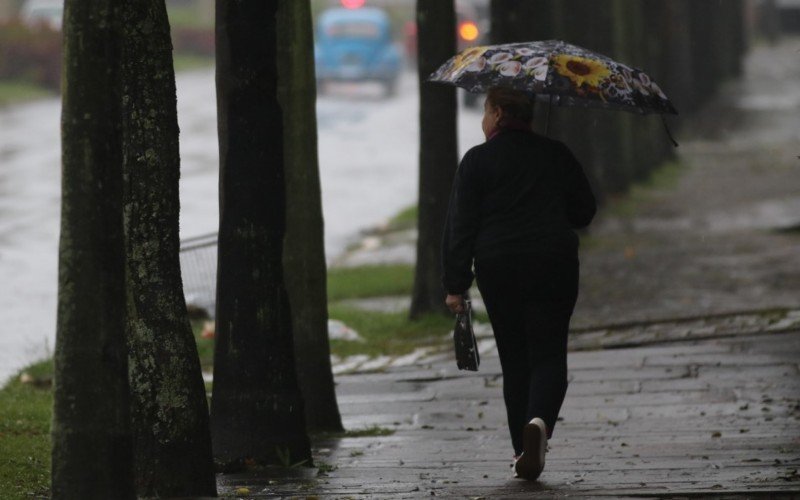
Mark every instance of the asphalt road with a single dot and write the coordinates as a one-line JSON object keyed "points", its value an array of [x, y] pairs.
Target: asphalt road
{"points": [[368, 147]]}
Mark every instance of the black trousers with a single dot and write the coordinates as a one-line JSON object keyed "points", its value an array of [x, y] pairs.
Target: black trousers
{"points": [[530, 299]]}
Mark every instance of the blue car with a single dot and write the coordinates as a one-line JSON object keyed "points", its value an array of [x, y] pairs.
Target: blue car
{"points": [[354, 45]]}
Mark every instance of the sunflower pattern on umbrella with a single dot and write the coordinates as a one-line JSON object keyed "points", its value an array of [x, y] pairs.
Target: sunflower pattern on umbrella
{"points": [[574, 75]]}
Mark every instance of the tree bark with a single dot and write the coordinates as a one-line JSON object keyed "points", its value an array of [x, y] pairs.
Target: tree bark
{"points": [[706, 55], [438, 155], [304, 244], [256, 408], [526, 20], [737, 36], [522, 20], [169, 412], [91, 454], [581, 22], [642, 143]]}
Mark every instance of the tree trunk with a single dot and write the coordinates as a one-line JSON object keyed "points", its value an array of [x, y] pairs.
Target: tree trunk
{"points": [[642, 141], [522, 20], [737, 35], [256, 408], [92, 454], [169, 413], [706, 55], [653, 57], [438, 155], [304, 244], [674, 59], [576, 126], [770, 21]]}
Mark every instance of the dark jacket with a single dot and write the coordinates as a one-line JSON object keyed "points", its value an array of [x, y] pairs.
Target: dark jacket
{"points": [[517, 194]]}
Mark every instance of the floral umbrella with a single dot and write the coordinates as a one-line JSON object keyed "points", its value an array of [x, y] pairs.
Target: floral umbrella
{"points": [[568, 74]]}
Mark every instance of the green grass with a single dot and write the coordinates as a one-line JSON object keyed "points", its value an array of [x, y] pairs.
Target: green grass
{"points": [[664, 178], [390, 334], [370, 281], [13, 92], [205, 347], [25, 413], [188, 16], [405, 219], [185, 62]]}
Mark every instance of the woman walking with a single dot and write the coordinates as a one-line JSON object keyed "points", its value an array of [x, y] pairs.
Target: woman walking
{"points": [[515, 203]]}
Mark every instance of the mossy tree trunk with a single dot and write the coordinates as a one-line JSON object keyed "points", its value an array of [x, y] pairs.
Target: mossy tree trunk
{"points": [[304, 244], [673, 49], [257, 411], [522, 21], [599, 27], [643, 142], [92, 451], [706, 54], [656, 51], [438, 154], [169, 412], [735, 35], [584, 22]]}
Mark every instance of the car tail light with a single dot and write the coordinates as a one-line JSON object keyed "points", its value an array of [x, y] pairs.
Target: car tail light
{"points": [[468, 31], [352, 4]]}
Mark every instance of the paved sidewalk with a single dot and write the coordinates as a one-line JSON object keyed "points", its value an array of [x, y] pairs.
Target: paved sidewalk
{"points": [[690, 418], [704, 405]]}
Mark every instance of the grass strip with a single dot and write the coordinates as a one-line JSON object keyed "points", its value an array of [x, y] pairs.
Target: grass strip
{"points": [[14, 92], [388, 334], [186, 62], [25, 413], [370, 281], [188, 16], [663, 178], [405, 219]]}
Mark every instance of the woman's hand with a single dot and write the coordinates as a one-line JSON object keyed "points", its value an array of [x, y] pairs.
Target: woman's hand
{"points": [[455, 303]]}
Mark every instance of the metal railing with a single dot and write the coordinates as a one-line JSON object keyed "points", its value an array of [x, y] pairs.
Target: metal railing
{"points": [[198, 257]]}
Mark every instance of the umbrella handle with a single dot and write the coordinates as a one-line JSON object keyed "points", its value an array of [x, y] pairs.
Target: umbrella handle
{"points": [[547, 116], [669, 134]]}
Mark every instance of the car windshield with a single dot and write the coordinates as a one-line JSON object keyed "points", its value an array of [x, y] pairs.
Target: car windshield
{"points": [[353, 30]]}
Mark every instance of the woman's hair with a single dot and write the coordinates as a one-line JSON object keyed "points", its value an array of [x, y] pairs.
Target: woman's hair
{"points": [[515, 104]]}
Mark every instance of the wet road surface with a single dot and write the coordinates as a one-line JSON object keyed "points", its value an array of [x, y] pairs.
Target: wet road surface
{"points": [[368, 167]]}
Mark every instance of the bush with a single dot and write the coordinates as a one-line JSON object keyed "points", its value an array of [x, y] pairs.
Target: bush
{"points": [[33, 54], [30, 54]]}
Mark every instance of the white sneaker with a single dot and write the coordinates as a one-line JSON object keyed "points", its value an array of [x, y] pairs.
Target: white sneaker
{"points": [[534, 445]]}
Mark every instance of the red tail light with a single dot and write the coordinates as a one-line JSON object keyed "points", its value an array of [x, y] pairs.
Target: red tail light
{"points": [[468, 31], [352, 4]]}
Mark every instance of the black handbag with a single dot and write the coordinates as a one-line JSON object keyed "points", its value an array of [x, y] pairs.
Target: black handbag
{"points": [[467, 356]]}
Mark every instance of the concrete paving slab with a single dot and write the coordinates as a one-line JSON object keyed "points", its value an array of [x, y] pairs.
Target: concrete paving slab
{"points": [[684, 372], [658, 430]]}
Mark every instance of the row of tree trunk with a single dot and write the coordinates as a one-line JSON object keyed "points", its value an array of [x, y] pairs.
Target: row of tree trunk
{"points": [[130, 411], [689, 46]]}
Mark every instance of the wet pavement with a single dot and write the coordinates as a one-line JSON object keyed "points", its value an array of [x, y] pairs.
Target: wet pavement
{"points": [[684, 364], [696, 418]]}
